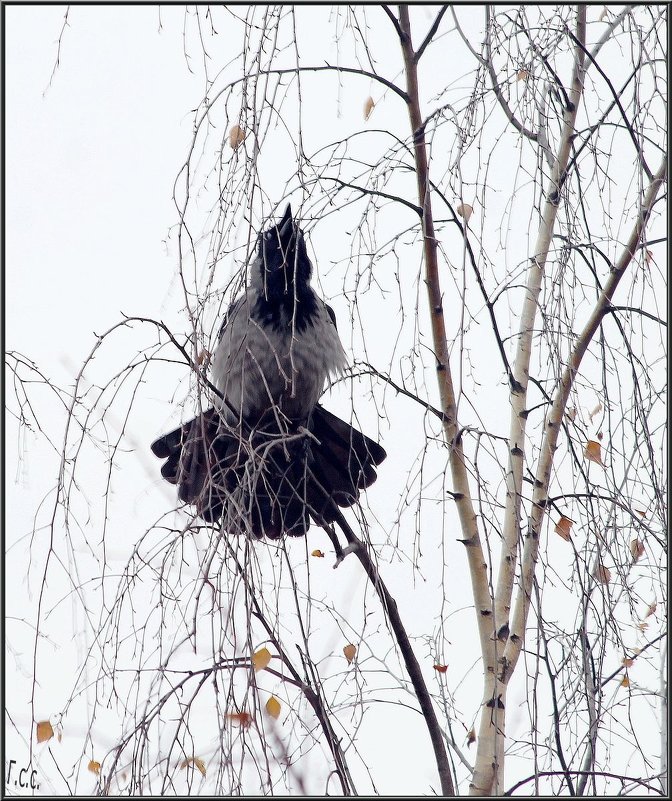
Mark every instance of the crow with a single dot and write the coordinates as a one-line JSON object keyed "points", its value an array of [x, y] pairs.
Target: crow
{"points": [[268, 457]]}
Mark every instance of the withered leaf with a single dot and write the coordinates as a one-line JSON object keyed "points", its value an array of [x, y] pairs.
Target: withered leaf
{"points": [[465, 211], [369, 106], [197, 762], [636, 549], [564, 527], [349, 652], [45, 731], [441, 668], [596, 410], [261, 659], [273, 707], [652, 608], [625, 681], [593, 452], [317, 553], [94, 767], [471, 736], [243, 719], [236, 137], [602, 574], [628, 661]]}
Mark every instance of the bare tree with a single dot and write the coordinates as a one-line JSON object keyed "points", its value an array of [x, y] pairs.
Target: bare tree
{"points": [[511, 161]]}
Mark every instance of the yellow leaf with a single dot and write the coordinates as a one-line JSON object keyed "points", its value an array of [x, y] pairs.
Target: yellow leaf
{"points": [[273, 707], [636, 549], [45, 731], [236, 137], [593, 452], [261, 659], [349, 651], [626, 681], [197, 762], [465, 211], [471, 736], [628, 662], [563, 527], [318, 553], [243, 719], [369, 106], [441, 668], [602, 574], [94, 767], [652, 608]]}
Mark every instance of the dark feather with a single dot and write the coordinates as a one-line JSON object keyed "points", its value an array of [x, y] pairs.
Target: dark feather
{"points": [[274, 479]]}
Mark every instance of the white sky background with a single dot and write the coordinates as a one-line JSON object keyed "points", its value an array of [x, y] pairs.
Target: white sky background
{"points": [[90, 232]]}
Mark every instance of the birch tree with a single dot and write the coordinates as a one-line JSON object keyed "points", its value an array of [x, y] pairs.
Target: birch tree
{"points": [[490, 227]]}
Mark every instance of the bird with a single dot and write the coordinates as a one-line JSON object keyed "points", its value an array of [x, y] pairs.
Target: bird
{"points": [[267, 458]]}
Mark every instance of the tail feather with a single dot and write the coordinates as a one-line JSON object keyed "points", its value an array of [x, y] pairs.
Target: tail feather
{"points": [[264, 483]]}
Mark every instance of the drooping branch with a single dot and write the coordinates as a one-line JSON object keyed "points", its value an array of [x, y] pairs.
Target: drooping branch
{"points": [[413, 668]]}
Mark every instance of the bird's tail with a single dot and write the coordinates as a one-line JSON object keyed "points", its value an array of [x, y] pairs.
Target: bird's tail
{"points": [[268, 482]]}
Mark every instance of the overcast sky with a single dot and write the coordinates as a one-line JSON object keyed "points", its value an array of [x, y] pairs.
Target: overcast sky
{"points": [[93, 149]]}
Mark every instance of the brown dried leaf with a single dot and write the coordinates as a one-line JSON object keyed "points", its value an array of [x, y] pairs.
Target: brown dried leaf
{"points": [[641, 512], [626, 681], [636, 549], [45, 731], [643, 626], [441, 668], [596, 410], [261, 659], [652, 608], [236, 137], [522, 74], [564, 527], [317, 553], [593, 452], [273, 707], [94, 767], [471, 736], [369, 106], [628, 661], [571, 414], [349, 652], [197, 762], [602, 574], [243, 719], [465, 211]]}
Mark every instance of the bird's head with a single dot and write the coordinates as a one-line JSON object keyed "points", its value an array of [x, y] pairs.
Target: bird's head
{"points": [[281, 267]]}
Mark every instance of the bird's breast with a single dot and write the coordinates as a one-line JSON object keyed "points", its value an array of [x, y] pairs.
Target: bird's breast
{"points": [[271, 354]]}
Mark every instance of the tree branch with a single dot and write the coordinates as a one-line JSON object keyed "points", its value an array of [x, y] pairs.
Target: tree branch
{"points": [[430, 34], [412, 666]]}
